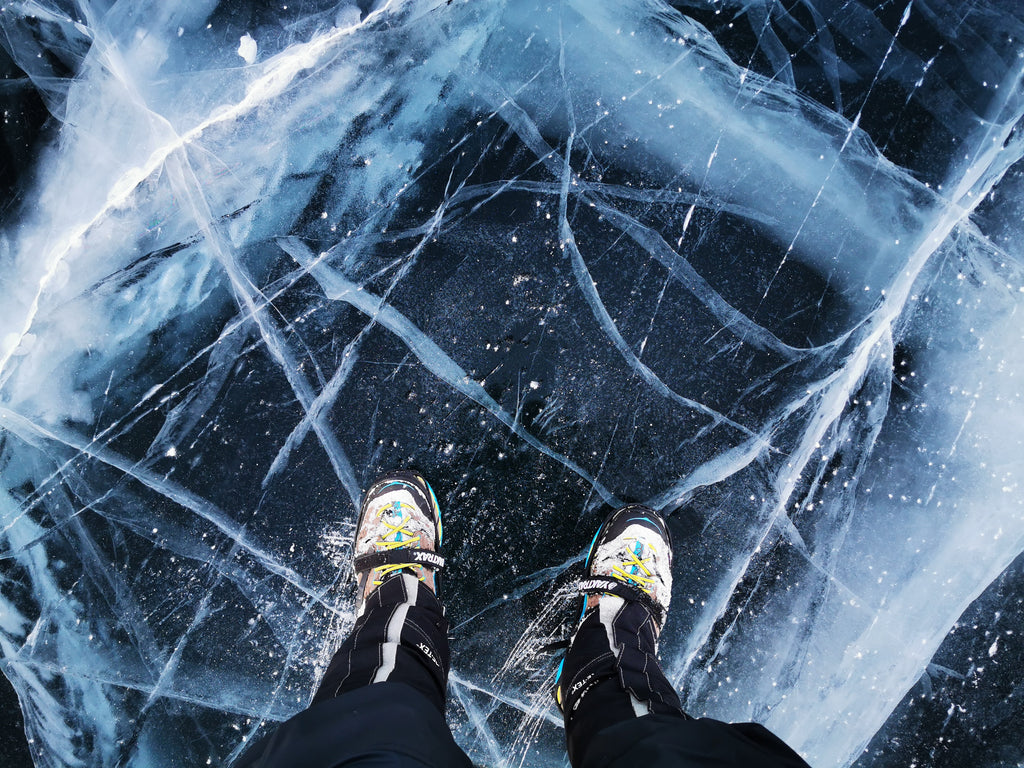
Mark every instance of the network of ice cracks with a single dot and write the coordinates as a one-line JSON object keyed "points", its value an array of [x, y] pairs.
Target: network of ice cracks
{"points": [[558, 255]]}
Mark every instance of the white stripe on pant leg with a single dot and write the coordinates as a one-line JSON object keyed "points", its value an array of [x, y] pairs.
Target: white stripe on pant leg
{"points": [[393, 633], [640, 708], [608, 608]]}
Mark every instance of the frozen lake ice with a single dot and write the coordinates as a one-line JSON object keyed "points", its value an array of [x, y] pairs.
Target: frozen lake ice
{"points": [[758, 265]]}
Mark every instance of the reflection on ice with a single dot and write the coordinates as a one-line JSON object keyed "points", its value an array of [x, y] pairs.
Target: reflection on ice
{"points": [[557, 256]]}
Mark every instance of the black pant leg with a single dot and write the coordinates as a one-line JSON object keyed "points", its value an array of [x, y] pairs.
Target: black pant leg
{"points": [[387, 724], [621, 711], [660, 741], [382, 699], [401, 637], [611, 674]]}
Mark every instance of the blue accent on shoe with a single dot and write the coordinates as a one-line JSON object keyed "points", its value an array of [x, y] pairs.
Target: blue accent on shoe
{"points": [[440, 526], [558, 674], [637, 550], [590, 552], [583, 610]]}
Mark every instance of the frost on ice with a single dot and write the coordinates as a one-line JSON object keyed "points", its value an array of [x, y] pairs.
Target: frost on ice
{"points": [[247, 48], [759, 268]]}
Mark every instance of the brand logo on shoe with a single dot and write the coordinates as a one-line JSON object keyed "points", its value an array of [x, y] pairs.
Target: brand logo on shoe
{"points": [[430, 558], [588, 584]]}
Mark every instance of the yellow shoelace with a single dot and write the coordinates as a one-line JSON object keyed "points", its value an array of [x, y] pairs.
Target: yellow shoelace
{"points": [[645, 582], [396, 543]]}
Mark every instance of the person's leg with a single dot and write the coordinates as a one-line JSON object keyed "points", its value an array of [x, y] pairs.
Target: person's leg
{"points": [[402, 636], [620, 710], [611, 672], [382, 699], [401, 633]]}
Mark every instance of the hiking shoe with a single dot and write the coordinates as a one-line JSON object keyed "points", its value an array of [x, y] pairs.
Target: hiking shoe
{"points": [[631, 557], [399, 530]]}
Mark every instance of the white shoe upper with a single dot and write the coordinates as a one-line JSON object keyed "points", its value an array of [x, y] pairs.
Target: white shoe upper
{"points": [[393, 520], [638, 557]]}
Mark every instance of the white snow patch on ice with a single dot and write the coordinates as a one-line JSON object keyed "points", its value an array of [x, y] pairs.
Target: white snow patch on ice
{"points": [[247, 48]]}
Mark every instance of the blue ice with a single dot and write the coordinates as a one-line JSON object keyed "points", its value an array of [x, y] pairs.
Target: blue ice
{"points": [[759, 267]]}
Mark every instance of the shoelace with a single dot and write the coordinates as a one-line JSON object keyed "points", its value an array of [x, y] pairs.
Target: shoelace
{"points": [[646, 581], [396, 543]]}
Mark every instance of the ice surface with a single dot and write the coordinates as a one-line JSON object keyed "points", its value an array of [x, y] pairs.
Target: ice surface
{"points": [[758, 265]]}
